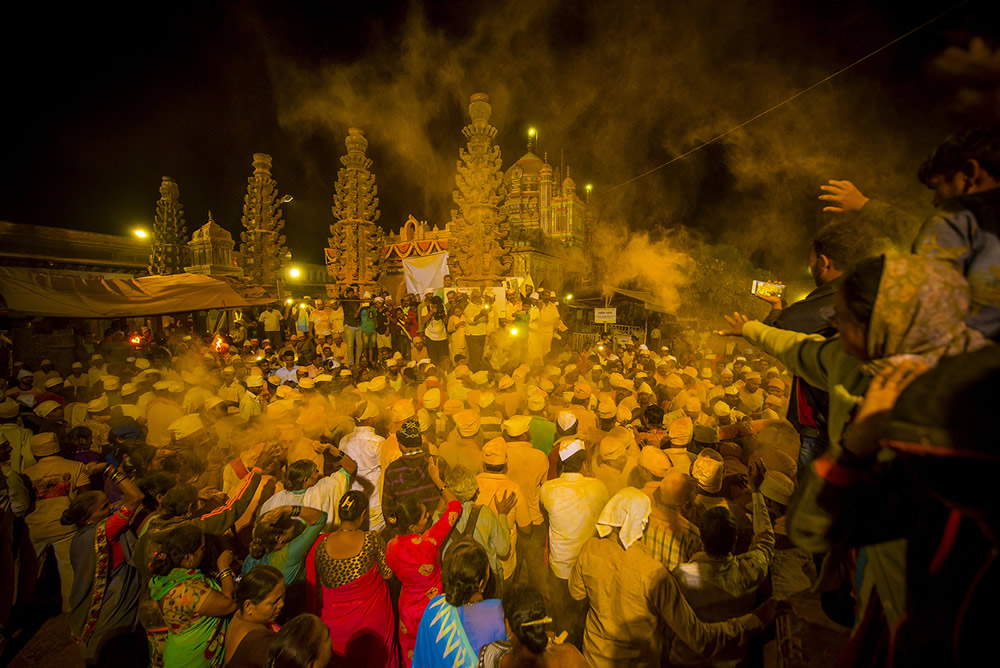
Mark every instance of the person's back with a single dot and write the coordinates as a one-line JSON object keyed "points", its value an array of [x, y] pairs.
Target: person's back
{"points": [[572, 502], [160, 415], [621, 625], [964, 173], [966, 233]]}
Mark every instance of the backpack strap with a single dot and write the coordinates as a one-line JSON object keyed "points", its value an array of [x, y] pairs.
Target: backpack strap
{"points": [[470, 526]]}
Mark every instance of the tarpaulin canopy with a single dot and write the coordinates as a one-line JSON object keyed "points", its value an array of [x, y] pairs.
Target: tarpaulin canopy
{"points": [[32, 292]]}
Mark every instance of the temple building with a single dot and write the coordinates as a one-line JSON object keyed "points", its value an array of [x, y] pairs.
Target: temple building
{"points": [[211, 251], [541, 205], [550, 224]]}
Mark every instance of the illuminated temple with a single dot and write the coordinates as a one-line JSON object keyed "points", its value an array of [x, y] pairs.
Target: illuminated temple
{"points": [[547, 225]]}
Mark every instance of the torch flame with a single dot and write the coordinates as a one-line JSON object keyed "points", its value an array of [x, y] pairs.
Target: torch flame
{"points": [[218, 344]]}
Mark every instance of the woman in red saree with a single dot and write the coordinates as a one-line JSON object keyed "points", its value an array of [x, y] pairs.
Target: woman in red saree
{"points": [[416, 560], [346, 574]]}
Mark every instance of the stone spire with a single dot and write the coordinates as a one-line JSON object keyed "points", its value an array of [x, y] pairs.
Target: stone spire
{"points": [[167, 246], [263, 251], [480, 253], [356, 241]]}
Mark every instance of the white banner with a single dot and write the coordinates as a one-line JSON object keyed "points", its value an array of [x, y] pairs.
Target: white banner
{"points": [[425, 274]]}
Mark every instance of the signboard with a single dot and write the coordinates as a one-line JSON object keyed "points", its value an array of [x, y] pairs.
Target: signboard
{"points": [[605, 315]]}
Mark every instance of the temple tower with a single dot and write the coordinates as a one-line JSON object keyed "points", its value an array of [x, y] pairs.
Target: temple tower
{"points": [[356, 242], [480, 254], [263, 250], [167, 245]]}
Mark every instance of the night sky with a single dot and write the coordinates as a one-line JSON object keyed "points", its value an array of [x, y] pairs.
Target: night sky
{"points": [[101, 102]]}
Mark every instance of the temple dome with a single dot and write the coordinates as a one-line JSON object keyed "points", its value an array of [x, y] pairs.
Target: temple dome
{"points": [[529, 166]]}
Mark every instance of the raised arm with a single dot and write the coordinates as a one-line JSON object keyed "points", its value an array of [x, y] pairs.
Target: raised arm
{"points": [[705, 639], [220, 604], [299, 546], [807, 356], [222, 518], [440, 529]]}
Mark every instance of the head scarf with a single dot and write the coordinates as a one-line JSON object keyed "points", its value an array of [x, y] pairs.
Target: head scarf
{"points": [[919, 312], [629, 510]]}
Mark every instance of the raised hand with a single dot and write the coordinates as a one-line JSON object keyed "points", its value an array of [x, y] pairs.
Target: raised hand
{"points": [[843, 196], [886, 387], [736, 325], [506, 503]]}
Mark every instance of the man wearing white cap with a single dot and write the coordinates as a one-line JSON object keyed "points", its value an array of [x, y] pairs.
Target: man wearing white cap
{"points": [[25, 391], [98, 368], [529, 468], [572, 503], [46, 371], [56, 482], [231, 390], [162, 411], [77, 378], [612, 466], [751, 394], [250, 405], [504, 497], [364, 446], [98, 416], [17, 436]]}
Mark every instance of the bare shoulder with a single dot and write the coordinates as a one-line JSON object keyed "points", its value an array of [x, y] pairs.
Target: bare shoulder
{"points": [[564, 655]]}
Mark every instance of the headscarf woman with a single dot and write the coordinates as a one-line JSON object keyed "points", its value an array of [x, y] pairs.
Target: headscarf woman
{"points": [[105, 595], [345, 575], [888, 310], [195, 607]]}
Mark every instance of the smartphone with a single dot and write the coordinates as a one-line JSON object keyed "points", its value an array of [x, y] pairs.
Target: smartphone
{"points": [[767, 289]]}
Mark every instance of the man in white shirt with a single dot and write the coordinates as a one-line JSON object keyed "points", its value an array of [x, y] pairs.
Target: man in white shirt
{"points": [[572, 502], [231, 390], [271, 319], [306, 486], [364, 446], [17, 436], [476, 318], [249, 402], [319, 322], [336, 312], [289, 372]]}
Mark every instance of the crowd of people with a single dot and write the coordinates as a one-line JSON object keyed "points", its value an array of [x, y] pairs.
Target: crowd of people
{"points": [[361, 484]]}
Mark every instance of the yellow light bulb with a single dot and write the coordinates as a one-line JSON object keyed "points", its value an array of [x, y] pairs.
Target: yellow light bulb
{"points": [[513, 331]]}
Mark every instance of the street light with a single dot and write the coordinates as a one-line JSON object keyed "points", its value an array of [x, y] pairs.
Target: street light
{"points": [[141, 233], [294, 272], [286, 199]]}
